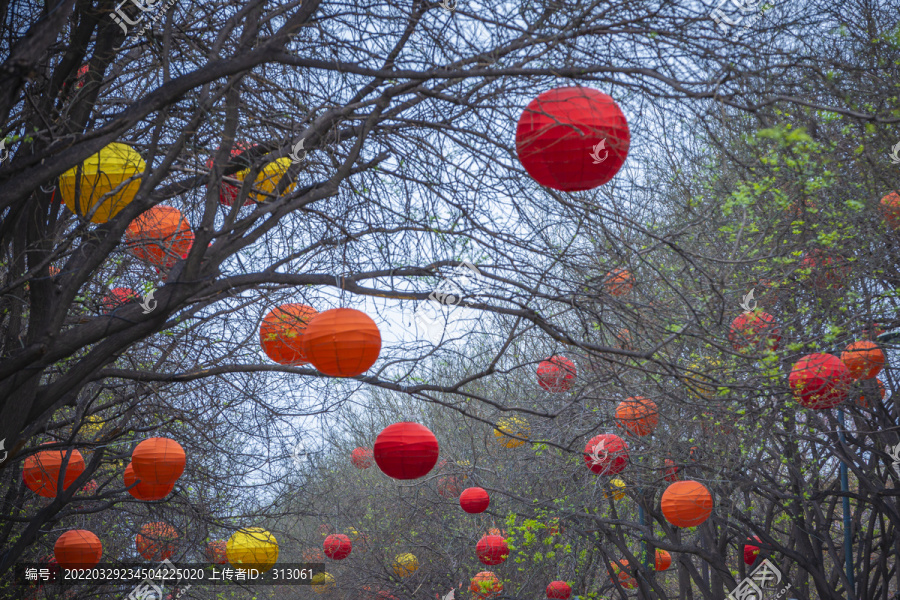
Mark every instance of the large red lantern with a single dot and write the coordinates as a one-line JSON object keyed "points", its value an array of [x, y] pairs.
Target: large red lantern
{"points": [[864, 359], [606, 454], [337, 546], [41, 471], [556, 374], [77, 549], [406, 450], [342, 342], [160, 236], [118, 296], [281, 333], [362, 458], [156, 541], [559, 590], [492, 550], [820, 381], [572, 139], [756, 330], [751, 551], [158, 461], [686, 503], [146, 491], [474, 500]]}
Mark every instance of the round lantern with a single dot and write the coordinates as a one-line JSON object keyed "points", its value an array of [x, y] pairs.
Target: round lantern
{"points": [[756, 330], [268, 179], [686, 503], [313, 555], [405, 565], [229, 192], [217, 552], [559, 590], [77, 549], [619, 572], [406, 450], [117, 297], [492, 549], [702, 385], [556, 374], [281, 333], [342, 342], [156, 541], [485, 584], [474, 500], [509, 426], [160, 236], [671, 471], [322, 582], [862, 402], [820, 381], [146, 491], [638, 415], [158, 461], [252, 548], [864, 359], [890, 209], [362, 458], [41, 471], [606, 454], [618, 489], [572, 139], [826, 271], [618, 282], [663, 560], [449, 487], [751, 551], [101, 173], [337, 546]]}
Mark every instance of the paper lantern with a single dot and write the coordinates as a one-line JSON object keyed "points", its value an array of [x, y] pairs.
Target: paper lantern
{"points": [[559, 590], [156, 541], [281, 333], [826, 271], [322, 582], [751, 551], [77, 549], [638, 415], [217, 552], [146, 491], [890, 209], [606, 454], [228, 192], [313, 555], [337, 546], [572, 139], [663, 560], [252, 548], [449, 487], [553, 527], [701, 385], [160, 236], [405, 565], [41, 471], [80, 75], [862, 402], [620, 572], [474, 500], [671, 471], [158, 461], [864, 359], [362, 458], [618, 282], [342, 342], [509, 426], [820, 381], [556, 374], [117, 297], [686, 503], [89, 488], [268, 179], [492, 550], [485, 584], [756, 330], [618, 489], [101, 173], [406, 450]]}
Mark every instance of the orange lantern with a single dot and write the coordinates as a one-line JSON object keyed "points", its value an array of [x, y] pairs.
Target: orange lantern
{"points": [[686, 503], [117, 297], [663, 560], [77, 549], [618, 282], [160, 236], [146, 491], [556, 374], [158, 461], [282, 331], [862, 402], [217, 552], [156, 541], [864, 359], [890, 209], [625, 579], [342, 342], [41, 471], [638, 415], [820, 381], [485, 584], [756, 330]]}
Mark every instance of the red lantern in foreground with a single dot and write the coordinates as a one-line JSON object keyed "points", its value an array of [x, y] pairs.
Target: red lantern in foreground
{"points": [[281, 333], [158, 461], [820, 381], [572, 139], [337, 546], [556, 374], [492, 550], [41, 471], [474, 500], [756, 330], [117, 297], [663, 560], [146, 491], [342, 342], [362, 458], [217, 552], [686, 503], [559, 590], [78, 549], [751, 551], [156, 541], [606, 454], [406, 450], [160, 236]]}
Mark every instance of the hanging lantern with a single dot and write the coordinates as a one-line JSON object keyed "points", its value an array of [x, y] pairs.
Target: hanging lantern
{"points": [[252, 548], [663, 560], [862, 402], [638, 415], [228, 192], [509, 426], [160, 236], [78, 549], [405, 565], [156, 541], [671, 471], [322, 582], [751, 551], [864, 359], [362, 458], [117, 297], [406, 450], [559, 590], [686, 503], [101, 173], [619, 570], [281, 333], [890, 209], [449, 487], [268, 179], [337, 546], [158, 461], [826, 271], [820, 381], [146, 491], [41, 471], [618, 489], [756, 330], [606, 454], [342, 342], [492, 549], [485, 585], [572, 139], [556, 374], [217, 552], [618, 282], [474, 500]]}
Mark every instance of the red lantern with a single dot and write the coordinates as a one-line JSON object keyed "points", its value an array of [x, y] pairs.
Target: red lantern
{"points": [[663, 560], [572, 139], [820, 381], [620, 572], [160, 236], [686, 503], [362, 458], [825, 271], [342, 342], [117, 297], [671, 470], [146, 491], [890, 209], [606, 454], [485, 584], [41, 471], [156, 541], [474, 500], [751, 551], [492, 550], [337, 546], [618, 282], [78, 549], [229, 192], [864, 359], [406, 450], [556, 374], [158, 461], [754, 329], [281, 333], [217, 552], [448, 487], [559, 590]]}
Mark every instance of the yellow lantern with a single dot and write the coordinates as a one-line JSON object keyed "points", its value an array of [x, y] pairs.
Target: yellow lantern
{"points": [[512, 426], [322, 582], [702, 386], [405, 565], [252, 548], [101, 173], [268, 179], [352, 533], [618, 489]]}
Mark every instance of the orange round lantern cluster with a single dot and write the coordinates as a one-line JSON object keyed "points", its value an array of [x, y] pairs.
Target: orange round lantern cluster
{"points": [[686, 503], [559, 590], [342, 342], [638, 415], [41, 471], [146, 491], [160, 236], [492, 550], [485, 584], [663, 560], [281, 333], [337, 546], [474, 500], [156, 541], [606, 454], [756, 330], [217, 552], [77, 549], [362, 458], [556, 374], [118, 296], [158, 461], [820, 381], [864, 359], [618, 282]]}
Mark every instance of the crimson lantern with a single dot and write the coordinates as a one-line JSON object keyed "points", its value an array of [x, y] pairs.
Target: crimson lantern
{"points": [[406, 450], [559, 590], [448, 487], [492, 549], [756, 330], [474, 500], [751, 551], [606, 454], [556, 374], [820, 381], [337, 546], [361, 458]]}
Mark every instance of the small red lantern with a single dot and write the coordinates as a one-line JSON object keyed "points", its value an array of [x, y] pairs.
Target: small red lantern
{"points": [[160, 236], [751, 551], [820, 381], [342, 342], [756, 329], [337, 546], [474, 500], [362, 458], [117, 297], [663, 560], [559, 590], [406, 450], [492, 550], [606, 454], [556, 374], [448, 487], [671, 470]]}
